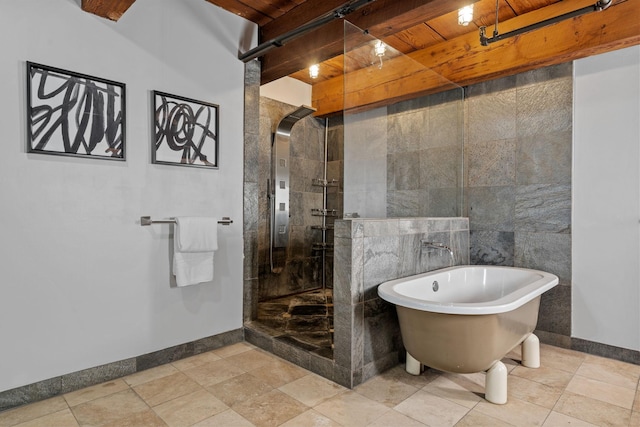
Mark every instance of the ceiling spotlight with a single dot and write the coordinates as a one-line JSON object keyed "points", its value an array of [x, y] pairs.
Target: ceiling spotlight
{"points": [[314, 71], [465, 15], [379, 50]]}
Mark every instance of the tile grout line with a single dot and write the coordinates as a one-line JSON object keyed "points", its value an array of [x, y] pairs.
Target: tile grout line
{"points": [[563, 392], [564, 389]]}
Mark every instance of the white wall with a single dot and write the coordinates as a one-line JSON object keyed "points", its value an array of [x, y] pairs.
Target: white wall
{"points": [[288, 90], [83, 283], [606, 199]]}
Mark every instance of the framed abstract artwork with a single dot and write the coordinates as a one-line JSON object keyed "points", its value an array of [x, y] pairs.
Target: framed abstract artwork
{"points": [[74, 114], [185, 131]]}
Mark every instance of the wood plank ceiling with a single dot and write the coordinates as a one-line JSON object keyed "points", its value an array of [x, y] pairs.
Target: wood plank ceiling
{"points": [[437, 30], [426, 31]]}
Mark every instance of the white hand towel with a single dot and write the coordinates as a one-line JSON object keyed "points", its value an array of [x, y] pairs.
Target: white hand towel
{"points": [[196, 234], [194, 241]]}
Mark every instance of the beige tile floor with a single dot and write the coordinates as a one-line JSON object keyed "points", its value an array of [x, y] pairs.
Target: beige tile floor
{"points": [[241, 385]]}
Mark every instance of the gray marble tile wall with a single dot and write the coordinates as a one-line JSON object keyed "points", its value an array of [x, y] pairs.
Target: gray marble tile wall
{"points": [[365, 172], [367, 253], [517, 174], [302, 265], [251, 195], [424, 168], [518, 188], [335, 173]]}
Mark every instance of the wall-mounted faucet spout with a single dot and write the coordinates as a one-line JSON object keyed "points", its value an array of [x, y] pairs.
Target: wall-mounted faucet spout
{"points": [[425, 244]]}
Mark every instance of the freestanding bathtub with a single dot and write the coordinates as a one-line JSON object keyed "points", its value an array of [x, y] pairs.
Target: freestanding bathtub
{"points": [[465, 319]]}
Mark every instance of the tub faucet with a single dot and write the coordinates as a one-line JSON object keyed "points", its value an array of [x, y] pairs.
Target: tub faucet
{"points": [[425, 244]]}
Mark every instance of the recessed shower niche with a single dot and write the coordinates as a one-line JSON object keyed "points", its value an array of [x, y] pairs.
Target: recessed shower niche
{"points": [[365, 168]]}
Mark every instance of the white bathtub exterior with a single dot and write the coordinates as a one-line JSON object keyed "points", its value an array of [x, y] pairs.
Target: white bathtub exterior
{"points": [[468, 290], [476, 316]]}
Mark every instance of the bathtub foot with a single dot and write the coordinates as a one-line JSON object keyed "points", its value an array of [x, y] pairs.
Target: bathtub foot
{"points": [[413, 366], [531, 352], [495, 386]]}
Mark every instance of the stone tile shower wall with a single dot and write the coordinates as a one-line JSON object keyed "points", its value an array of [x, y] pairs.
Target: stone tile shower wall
{"points": [[517, 159], [404, 160], [335, 164], [424, 156], [367, 253], [518, 166], [251, 187], [303, 267]]}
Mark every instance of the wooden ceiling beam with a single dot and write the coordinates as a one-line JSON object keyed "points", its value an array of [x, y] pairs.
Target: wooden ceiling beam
{"points": [[381, 18], [299, 15], [464, 61], [110, 9], [241, 9]]}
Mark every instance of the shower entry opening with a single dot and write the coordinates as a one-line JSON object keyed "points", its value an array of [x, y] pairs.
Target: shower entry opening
{"points": [[296, 263], [398, 160]]}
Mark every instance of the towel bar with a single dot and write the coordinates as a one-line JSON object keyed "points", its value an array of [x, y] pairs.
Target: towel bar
{"points": [[146, 220]]}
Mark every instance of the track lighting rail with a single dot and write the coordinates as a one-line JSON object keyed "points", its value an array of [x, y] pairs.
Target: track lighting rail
{"points": [[485, 41], [279, 41]]}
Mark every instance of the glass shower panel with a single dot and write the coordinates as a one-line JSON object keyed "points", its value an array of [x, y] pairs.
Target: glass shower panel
{"points": [[403, 159], [365, 159]]}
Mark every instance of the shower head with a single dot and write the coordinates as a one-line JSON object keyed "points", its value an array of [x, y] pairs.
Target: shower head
{"points": [[302, 112], [285, 125]]}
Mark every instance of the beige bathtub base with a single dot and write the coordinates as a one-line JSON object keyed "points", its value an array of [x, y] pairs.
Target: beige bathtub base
{"points": [[495, 387], [531, 352]]}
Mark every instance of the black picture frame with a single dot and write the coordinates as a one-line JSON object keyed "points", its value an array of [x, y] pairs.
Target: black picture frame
{"points": [[186, 131], [74, 114]]}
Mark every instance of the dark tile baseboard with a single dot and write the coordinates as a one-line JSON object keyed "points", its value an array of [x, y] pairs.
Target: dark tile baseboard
{"points": [[275, 342], [76, 380], [590, 347], [605, 350]]}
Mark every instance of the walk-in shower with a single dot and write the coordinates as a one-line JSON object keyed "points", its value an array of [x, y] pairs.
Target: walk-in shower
{"points": [[295, 296], [401, 159]]}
